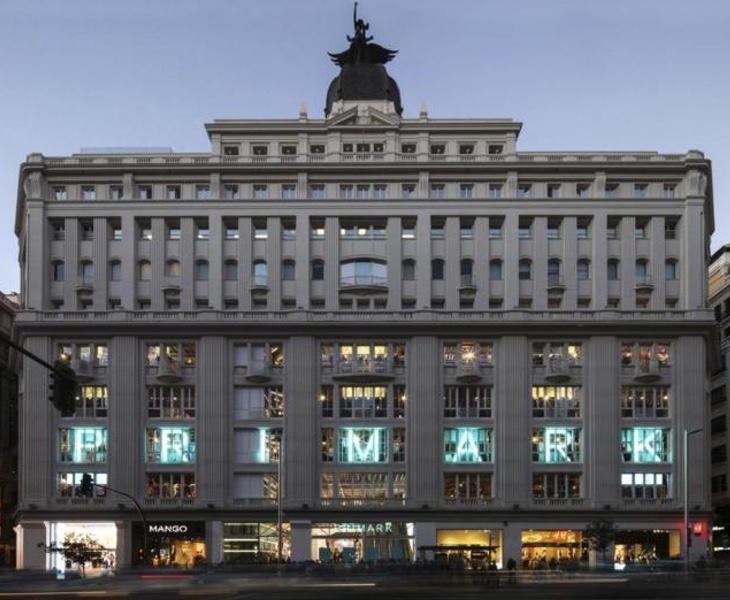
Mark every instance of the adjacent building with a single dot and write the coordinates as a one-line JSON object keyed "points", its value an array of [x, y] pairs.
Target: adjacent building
{"points": [[8, 432], [445, 341]]}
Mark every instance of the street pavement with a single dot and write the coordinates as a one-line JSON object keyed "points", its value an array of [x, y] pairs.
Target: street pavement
{"points": [[273, 587]]}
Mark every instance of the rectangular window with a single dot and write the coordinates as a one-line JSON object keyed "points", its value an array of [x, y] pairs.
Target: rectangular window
{"points": [[202, 230], [173, 402], [316, 191], [466, 191], [612, 190], [467, 401], [170, 485], [467, 445], [547, 486], [69, 485], [60, 192], [408, 190], [258, 403], [524, 190], [363, 445], [288, 192], [92, 402], [260, 191], [556, 444], [380, 191], [559, 402], [644, 402], [437, 190], [88, 192], [257, 446], [645, 485], [230, 191], [363, 401], [495, 190], [170, 445], [640, 190], [645, 444], [83, 445], [230, 229], [144, 192], [467, 486], [346, 192]]}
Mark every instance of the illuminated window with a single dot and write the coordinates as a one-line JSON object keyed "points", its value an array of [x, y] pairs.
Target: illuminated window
{"points": [[467, 445], [174, 402], [467, 486], [556, 444], [258, 403], [468, 352], [363, 401], [645, 445], [363, 445], [645, 485], [467, 401], [92, 402], [645, 354], [399, 445], [170, 485], [69, 485], [556, 485], [362, 486], [83, 445], [644, 402], [555, 354], [561, 401], [170, 445]]}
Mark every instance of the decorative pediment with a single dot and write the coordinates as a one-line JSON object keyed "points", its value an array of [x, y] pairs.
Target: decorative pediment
{"points": [[363, 116]]}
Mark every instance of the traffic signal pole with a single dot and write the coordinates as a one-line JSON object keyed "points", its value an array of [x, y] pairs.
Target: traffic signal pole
{"points": [[33, 357]]}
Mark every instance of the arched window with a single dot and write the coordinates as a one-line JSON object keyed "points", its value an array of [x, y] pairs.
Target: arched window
{"points": [[317, 269], [467, 271], [172, 268], [260, 273], [230, 270], [495, 270], [59, 270], [87, 272], [201, 270], [642, 269], [553, 271], [525, 269], [363, 271], [408, 272], [437, 269], [288, 270], [584, 269], [115, 270], [670, 269], [145, 270], [612, 269]]}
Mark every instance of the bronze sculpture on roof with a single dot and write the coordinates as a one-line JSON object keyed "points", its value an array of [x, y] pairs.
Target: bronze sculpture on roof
{"points": [[361, 50]]}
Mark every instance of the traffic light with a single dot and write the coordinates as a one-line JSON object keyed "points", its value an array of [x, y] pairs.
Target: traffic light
{"points": [[63, 388], [87, 485]]}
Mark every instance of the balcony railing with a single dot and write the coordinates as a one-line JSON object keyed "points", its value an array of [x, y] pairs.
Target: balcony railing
{"points": [[364, 280], [468, 370], [555, 282], [84, 369], [369, 367], [361, 502], [644, 282], [647, 370], [468, 502], [169, 501], [557, 502], [557, 369], [258, 371]]}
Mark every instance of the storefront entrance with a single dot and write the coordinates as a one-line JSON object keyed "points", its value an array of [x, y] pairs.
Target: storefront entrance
{"points": [[178, 544], [254, 542], [644, 546], [550, 549], [477, 548], [354, 542], [88, 547]]}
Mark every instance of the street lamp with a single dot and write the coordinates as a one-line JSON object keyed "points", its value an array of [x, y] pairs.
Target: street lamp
{"points": [[685, 459]]}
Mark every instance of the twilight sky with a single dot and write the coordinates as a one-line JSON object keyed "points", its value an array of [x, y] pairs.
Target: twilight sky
{"points": [[580, 74]]}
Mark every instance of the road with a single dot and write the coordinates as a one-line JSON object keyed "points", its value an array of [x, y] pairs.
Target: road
{"points": [[227, 587]]}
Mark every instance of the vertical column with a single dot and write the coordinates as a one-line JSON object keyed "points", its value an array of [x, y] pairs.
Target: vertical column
{"points": [[511, 260], [30, 543], [36, 259], [481, 262], [692, 268], [540, 258], [157, 259], [302, 271], [332, 263], [214, 416], [423, 265], [301, 434], [452, 268], [601, 434], [129, 260], [101, 262], [570, 262], [656, 264], [394, 254], [126, 421], [599, 260], [187, 263], [301, 541], [513, 453], [245, 262], [215, 261], [273, 258], [37, 452], [423, 416], [628, 263], [689, 393], [71, 252]]}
